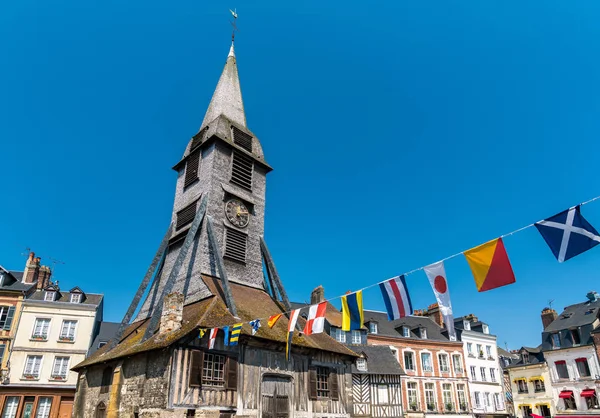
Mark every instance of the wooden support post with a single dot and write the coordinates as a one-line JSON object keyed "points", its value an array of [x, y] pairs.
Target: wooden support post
{"points": [[187, 243], [214, 246], [158, 257], [274, 289]]}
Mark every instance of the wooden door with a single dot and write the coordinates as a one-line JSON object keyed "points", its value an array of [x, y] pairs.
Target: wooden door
{"points": [[66, 408], [276, 393]]}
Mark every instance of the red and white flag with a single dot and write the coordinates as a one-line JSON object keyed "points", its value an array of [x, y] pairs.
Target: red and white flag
{"points": [[316, 319], [436, 273], [212, 337]]}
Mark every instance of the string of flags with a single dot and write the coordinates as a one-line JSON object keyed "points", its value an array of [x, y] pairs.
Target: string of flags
{"points": [[567, 234]]}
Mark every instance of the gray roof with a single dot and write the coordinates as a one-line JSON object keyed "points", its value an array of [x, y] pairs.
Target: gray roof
{"points": [[17, 274], [393, 328], [106, 332], [12, 281], [503, 353], [380, 360], [575, 316], [535, 357], [88, 299]]}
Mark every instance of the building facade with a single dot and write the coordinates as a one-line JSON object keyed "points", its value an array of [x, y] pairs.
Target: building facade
{"points": [[568, 347], [485, 377], [531, 388], [436, 380], [54, 333], [505, 358], [209, 274]]}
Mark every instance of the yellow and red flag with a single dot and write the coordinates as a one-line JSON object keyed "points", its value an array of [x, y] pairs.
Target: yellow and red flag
{"points": [[490, 265], [273, 320]]}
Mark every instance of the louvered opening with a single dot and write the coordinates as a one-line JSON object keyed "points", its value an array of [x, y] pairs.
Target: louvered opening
{"points": [[197, 140], [186, 215], [191, 168], [235, 245], [242, 139], [241, 170]]}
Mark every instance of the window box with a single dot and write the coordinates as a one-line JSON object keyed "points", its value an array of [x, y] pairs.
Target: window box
{"points": [[39, 338], [30, 377], [414, 406], [463, 407], [472, 355], [431, 407], [64, 339], [59, 378], [449, 407], [490, 358]]}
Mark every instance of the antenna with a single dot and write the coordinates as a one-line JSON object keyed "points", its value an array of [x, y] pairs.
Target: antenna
{"points": [[235, 29], [26, 253], [550, 303], [54, 263]]}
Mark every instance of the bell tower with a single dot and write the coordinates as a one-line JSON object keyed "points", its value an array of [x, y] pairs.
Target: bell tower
{"points": [[223, 165]]}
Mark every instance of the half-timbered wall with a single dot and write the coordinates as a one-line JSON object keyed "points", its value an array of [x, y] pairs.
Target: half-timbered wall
{"points": [[376, 395]]}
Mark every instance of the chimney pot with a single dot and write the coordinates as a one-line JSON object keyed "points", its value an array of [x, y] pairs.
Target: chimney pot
{"points": [[548, 316], [317, 295]]}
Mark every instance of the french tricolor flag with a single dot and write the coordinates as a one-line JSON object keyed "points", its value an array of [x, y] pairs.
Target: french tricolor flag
{"points": [[396, 298]]}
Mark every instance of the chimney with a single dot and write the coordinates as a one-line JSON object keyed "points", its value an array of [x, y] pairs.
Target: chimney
{"points": [[592, 296], [32, 269], [172, 313], [434, 313], [44, 277], [548, 316], [317, 295]]}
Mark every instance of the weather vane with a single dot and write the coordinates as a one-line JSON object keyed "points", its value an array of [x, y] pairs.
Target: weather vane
{"points": [[235, 29]]}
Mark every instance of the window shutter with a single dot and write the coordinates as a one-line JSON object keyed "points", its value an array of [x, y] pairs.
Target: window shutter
{"points": [[186, 216], [232, 374], [312, 384], [191, 168], [9, 318], [333, 386], [196, 363], [2, 348]]}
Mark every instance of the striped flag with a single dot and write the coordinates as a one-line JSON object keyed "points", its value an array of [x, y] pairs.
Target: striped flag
{"points": [[316, 319], [396, 298], [291, 326], [352, 311], [235, 334], [212, 337]]}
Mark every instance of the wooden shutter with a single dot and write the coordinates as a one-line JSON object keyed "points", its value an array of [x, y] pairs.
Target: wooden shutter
{"points": [[196, 363], [186, 216], [191, 168], [9, 317], [232, 374], [312, 384], [333, 386]]}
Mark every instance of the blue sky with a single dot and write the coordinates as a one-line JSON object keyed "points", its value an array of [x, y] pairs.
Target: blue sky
{"points": [[399, 133]]}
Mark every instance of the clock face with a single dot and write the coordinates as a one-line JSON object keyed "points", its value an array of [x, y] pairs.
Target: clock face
{"points": [[237, 213]]}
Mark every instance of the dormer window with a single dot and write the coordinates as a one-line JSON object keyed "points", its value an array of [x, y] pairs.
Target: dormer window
{"points": [[75, 297], [361, 364], [373, 327], [423, 333], [50, 296], [486, 329], [2, 275], [467, 325], [406, 332], [525, 358]]}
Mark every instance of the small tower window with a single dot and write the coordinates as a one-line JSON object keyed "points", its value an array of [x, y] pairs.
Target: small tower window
{"points": [[191, 168], [373, 327], [50, 295], [235, 245], [241, 170], [242, 139], [186, 215]]}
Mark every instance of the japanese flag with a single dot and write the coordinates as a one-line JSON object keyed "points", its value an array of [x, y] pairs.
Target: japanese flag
{"points": [[436, 273]]}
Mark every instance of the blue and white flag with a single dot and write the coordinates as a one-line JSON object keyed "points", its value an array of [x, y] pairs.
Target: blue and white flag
{"points": [[396, 298], [255, 326], [568, 234]]}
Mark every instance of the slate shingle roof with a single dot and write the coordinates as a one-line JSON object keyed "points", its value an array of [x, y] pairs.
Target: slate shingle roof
{"points": [[89, 299], [105, 333], [536, 356], [380, 360], [393, 328], [12, 281], [575, 316]]}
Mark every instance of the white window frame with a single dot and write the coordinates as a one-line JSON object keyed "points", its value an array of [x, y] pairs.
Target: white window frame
{"points": [[62, 327], [488, 351], [66, 375], [486, 329], [424, 333], [43, 410], [355, 334], [340, 335], [33, 334], [11, 408], [447, 369], [405, 331], [408, 392], [430, 370], [77, 296], [477, 399], [447, 392], [457, 370], [383, 392], [492, 375], [467, 325], [470, 348], [361, 364], [37, 376], [483, 374], [373, 328], [461, 390], [473, 372], [49, 295], [414, 360], [434, 396]]}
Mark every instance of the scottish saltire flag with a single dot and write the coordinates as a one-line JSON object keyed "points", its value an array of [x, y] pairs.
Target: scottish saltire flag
{"points": [[352, 311], [235, 334], [255, 326], [226, 336], [396, 298], [568, 234]]}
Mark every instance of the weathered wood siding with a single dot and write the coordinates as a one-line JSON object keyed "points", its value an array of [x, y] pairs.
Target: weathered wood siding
{"points": [[365, 393]]}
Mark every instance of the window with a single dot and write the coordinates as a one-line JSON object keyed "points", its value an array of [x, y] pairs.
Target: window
{"points": [[498, 401], [356, 337], [2, 349], [406, 332], [486, 329], [526, 358], [447, 396], [555, 340], [10, 407], [473, 373], [462, 397], [488, 350], [41, 328], [107, 375], [43, 409], [186, 215], [582, 367], [49, 296], [426, 362], [213, 370], [575, 337], [322, 382], [340, 335], [67, 331], [409, 360], [467, 325], [480, 350], [32, 367], [101, 410], [102, 344], [561, 369], [570, 402], [526, 410], [424, 333], [373, 327], [470, 349], [457, 363], [592, 401], [75, 297], [545, 411], [538, 385], [430, 396], [522, 386], [486, 399], [241, 170], [477, 396], [444, 365], [482, 371], [60, 369], [235, 245], [492, 374], [242, 139], [412, 396], [361, 364], [6, 316], [382, 395], [192, 167]]}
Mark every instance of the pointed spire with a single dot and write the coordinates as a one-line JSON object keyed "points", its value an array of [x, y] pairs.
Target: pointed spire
{"points": [[227, 98]]}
